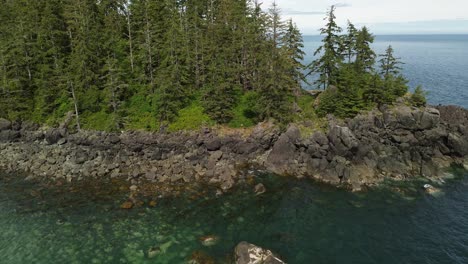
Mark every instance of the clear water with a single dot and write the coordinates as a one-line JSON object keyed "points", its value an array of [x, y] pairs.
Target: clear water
{"points": [[437, 62], [302, 221]]}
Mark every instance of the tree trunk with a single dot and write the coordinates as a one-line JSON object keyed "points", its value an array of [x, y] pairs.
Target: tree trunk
{"points": [[75, 102]]}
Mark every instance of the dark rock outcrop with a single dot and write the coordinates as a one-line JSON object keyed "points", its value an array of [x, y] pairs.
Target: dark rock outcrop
{"points": [[399, 143]]}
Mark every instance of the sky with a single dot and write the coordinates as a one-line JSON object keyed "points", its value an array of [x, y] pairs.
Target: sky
{"points": [[382, 16]]}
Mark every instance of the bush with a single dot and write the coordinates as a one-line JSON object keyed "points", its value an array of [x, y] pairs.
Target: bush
{"points": [[191, 117], [244, 114], [418, 98]]}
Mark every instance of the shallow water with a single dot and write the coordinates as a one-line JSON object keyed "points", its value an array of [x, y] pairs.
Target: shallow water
{"points": [[303, 222]]}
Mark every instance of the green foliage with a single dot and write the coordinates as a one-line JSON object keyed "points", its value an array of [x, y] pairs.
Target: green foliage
{"points": [[138, 113], [347, 63], [418, 98], [191, 117], [100, 121], [244, 114]]}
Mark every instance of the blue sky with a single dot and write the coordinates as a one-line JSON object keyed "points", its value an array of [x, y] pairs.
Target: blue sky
{"points": [[382, 16]]}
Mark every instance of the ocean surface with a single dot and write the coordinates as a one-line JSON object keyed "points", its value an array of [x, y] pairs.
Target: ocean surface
{"points": [[303, 222], [437, 62]]}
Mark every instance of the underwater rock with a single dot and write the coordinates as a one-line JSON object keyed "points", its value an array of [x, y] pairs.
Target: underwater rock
{"points": [[153, 251], [430, 189], [209, 241], [246, 253], [259, 189], [200, 257], [126, 205]]}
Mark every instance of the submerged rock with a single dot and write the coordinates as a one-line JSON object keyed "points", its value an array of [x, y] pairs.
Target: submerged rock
{"points": [[200, 257], [259, 189], [153, 251], [246, 253], [126, 205], [430, 189], [209, 241]]}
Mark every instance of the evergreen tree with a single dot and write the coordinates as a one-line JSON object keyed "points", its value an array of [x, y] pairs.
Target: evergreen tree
{"points": [[173, 70], [389, 64], [418, 98], [348, 49], [293, 45], [365, 56], [328, 64]]}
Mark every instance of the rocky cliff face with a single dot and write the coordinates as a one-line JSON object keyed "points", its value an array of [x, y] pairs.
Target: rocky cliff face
{"points": [[399, 142]]}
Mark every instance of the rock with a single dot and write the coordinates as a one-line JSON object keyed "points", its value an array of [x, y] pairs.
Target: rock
{"points": [[246, 148], [133, 188], [200, 257], [259, 189], [283, 153], [126, 205], [62, 141], [430, 189], [342, 140], [458, 144], [9, 135], [246, 253], [53, 136], [213, 144], [153, 252], [209, 241], [4, 124], [430, 118], [216, 156]]}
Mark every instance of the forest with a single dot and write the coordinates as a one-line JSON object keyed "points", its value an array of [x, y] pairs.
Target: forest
{"points": [[182, 64]]}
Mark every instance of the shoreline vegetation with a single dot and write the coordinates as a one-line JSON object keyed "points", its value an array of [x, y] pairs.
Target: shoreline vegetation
{"points": [[171, 66]]}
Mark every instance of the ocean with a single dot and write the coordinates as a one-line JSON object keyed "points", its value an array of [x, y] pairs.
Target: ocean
{"points": [[302, 221], [437, 62]]}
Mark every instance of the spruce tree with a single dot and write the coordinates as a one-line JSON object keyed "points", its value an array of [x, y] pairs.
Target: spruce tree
{"points": [[328, 63], [365, 56], [293, 46], [389, 64]]}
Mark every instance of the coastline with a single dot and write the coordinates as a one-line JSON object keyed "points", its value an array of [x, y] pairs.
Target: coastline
{"points": [[393, 143]]}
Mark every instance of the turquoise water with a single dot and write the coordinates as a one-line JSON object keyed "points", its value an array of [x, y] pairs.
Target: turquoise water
{"points": [[302, 221], [437, 62]]}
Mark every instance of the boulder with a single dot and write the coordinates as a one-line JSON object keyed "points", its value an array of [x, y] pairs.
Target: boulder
{"points": [[246, 253], [283, 153], [9, 135], [342, 140], [4, 124], [259, 189], [458, 144], [429, 119], [213, 144], [52, 136]]}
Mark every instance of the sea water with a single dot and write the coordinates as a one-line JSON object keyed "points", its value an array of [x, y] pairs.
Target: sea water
{"points": [[439, 63], [303, 222]]}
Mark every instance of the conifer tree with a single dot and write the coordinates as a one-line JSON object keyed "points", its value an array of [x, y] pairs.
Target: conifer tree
{"points": [[327, 65], [389, 64], [293, 46], [348, 49], [365, 56]]}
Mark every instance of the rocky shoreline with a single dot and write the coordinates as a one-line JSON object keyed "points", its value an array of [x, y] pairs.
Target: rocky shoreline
{"points": [[401, 142]]}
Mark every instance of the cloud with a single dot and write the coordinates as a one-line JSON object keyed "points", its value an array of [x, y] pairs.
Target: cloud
{"points": [[342, 5], [288, 11]]}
